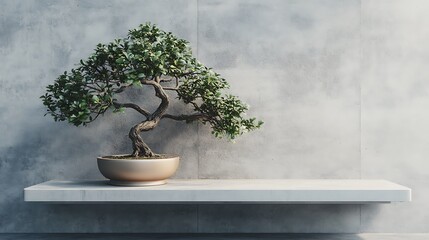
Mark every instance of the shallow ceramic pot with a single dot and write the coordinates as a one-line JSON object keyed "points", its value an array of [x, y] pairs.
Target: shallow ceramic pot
{"points": [[137, 172]]}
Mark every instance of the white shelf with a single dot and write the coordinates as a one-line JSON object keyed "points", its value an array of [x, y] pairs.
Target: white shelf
{"points": [[283, 191]]}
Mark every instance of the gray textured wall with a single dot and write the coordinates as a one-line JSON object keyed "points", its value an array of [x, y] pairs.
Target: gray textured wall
{"points": [[341, 85]]}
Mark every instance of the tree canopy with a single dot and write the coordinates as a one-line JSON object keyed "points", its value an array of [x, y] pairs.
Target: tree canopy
{"points": [[147, 56]]}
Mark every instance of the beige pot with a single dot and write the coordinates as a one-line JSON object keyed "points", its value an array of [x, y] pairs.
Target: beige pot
{"points": [[137, 172]]}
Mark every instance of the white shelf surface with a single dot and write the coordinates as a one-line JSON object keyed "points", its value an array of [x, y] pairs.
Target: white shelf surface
{"points": [[255, 191]]}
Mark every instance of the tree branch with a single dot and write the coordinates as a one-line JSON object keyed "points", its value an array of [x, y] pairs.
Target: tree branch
{"points": [[160, 93], [166, 80], [100, 112], [177, 81], [158, 79], [93, 88], [148, 82], [170, 80], [122, 88], [171, 88], [133, 106], [187, 74], [187, 118]]}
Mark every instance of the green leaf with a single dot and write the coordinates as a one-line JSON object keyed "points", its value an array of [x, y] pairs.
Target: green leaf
{"points": [[120, 61], [95, 99], [138, 84]]}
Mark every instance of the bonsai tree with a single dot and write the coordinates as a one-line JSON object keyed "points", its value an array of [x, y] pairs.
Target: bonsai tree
{"points": [[147, 57]]}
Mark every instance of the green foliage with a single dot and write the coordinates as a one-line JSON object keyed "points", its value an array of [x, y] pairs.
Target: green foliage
{"points": [[203, 90], [147, 53]]}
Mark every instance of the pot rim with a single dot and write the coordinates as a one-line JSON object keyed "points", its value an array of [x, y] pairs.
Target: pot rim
{"points": [[168, 157]]}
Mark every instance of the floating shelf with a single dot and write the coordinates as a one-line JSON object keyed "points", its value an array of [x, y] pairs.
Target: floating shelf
{"points": [[255, 191]]}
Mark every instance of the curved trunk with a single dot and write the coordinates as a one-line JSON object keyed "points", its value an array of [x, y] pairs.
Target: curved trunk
{"points": [[140, 148]]}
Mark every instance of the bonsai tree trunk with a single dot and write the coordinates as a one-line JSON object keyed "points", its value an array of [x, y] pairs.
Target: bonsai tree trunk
{"points": [[140, 148]]}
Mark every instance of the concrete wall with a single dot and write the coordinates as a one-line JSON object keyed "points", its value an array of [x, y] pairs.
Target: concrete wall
{"points": [[341, 85]]}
